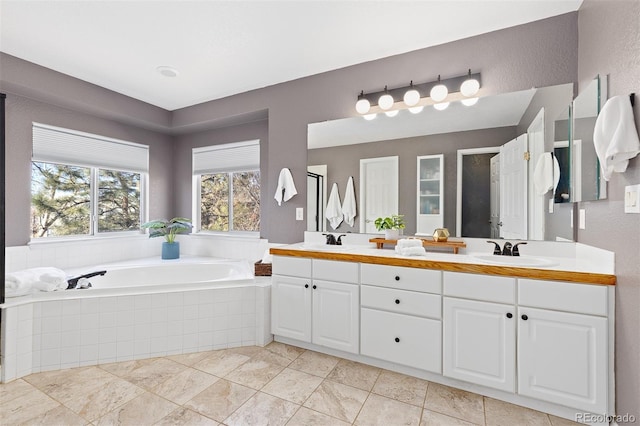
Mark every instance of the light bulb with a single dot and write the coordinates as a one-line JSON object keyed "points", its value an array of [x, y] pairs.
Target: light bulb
{"points": [[416, 110], [391, 113], [362, 106], [441, 106], [369, 117], [470, 87], [411, 97], [385, 101], [469, 101], [439, 93]]}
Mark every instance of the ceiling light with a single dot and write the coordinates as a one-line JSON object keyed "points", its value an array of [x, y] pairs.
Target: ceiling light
{"points": [[369, 117], [416, 110], [385, 101], [469, 101], [411, 96], [441, 106], [391, 113], [470, 86], [167, 71], [439, 92], [363, 105]]}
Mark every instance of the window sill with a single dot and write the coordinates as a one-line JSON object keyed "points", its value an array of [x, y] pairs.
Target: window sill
{"points": [[234, 236], [88, 239]]}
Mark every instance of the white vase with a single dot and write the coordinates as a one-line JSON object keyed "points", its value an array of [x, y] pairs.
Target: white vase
{"points": [[391, 234]]}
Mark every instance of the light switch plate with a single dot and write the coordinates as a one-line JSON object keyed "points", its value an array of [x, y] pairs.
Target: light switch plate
{"points": [[632, 199], [299, 213], [582, 219]]}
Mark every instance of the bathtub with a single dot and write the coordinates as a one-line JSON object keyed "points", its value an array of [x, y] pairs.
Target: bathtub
{"points": [[138, 309]]}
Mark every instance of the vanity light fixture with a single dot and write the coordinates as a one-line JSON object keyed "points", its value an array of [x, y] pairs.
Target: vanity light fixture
{"points": [[469, 101], [391, 113], [386, 100], [470, 86], [370, 117], [441, 106], [415, 96], [439, 92]]}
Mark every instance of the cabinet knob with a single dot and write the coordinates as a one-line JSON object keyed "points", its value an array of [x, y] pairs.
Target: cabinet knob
{"points": [[397, 301], [397, 339], [314, 287], [397, 277], [306, 286], [524, 317], [509, 315]]}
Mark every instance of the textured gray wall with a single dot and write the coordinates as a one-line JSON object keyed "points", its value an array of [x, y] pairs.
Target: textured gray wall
{"points": [[609, 34], [344, 161]]}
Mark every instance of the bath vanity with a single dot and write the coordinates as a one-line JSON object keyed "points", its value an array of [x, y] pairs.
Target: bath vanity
{"points": [[537, 337]]}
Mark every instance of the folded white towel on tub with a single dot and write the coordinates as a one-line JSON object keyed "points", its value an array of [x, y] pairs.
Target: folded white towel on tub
{"points": [[26, 279]]}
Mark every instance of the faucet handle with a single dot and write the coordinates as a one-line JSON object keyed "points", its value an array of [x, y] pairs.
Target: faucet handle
{"points": [[496, 248], [339, 240], [331, 239], [515, 251]]}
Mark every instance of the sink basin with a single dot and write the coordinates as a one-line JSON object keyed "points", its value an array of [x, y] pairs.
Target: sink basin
{"points": [[323, 247], [515, 260]]}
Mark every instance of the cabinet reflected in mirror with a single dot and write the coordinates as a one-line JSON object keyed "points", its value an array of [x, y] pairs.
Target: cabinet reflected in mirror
{"points": [[562, 154]]}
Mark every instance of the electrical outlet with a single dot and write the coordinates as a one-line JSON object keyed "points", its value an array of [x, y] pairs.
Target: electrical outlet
{"points": [[299, 213], [632, 199]]}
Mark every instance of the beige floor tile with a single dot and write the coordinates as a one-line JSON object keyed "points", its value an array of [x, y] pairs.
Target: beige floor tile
{"points": [[272, 358], [287, 351], [14, 389], [183, 386], [292, 385], [221, 399], [455, 403], [221, 363], [337, 400], [146, 409], [401, 387], [247, 350], [189, 359], [559, 421], [431, 418], [184, 416], [148, 373], [378, 410], [254, 374], [500, 413], [28, 406], [315, 363], [263, 409], [60, 415], [354, 374], [307, 417]]}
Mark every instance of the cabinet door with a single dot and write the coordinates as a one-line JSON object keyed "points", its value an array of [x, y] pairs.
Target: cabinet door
{"points": [[336, 322], [480, 343], [291, 307], [430, 193], [562, 358]]}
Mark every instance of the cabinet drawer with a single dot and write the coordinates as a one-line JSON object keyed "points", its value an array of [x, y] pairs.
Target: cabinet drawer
{"points": [[332, 270], [480, 287], [293, 266], [401, 301], [569, 297], [407, 340], [416, 279]]}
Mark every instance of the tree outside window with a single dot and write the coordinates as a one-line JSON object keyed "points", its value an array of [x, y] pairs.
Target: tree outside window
{"points": [[230, 201]]}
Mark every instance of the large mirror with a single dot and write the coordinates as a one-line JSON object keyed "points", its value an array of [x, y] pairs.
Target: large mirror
{"points": [[467, 135]]}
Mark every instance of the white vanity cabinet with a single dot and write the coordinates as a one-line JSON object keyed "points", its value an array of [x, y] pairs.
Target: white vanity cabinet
{"points": [[321, 307], [401, 316]]}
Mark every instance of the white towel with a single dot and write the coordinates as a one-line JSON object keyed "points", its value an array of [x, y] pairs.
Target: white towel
{"points": [[349, 203], [286, 185], [411, 251], [44, 278], [333, 211], [615, 136], [408, 242], [543, 173]]}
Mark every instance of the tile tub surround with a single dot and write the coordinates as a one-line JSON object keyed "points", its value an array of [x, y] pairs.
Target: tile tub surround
{"points": [[181, 389], [44, 335]]}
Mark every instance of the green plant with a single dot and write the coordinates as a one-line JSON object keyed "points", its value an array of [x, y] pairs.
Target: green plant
{"points": [[396, 221], [168, 228]]}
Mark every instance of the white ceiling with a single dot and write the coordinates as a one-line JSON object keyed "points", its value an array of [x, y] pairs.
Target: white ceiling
{"points": [[222, 48]]}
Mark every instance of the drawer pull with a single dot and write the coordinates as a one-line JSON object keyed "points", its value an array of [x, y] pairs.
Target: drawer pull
{"points": [[397, 277], [306, 286], [509, 315], [524, 317], [314, 287], [397, 339], [397, 301]]}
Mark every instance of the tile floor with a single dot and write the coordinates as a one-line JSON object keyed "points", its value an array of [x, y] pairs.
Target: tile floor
{"points": [[276, 385]]}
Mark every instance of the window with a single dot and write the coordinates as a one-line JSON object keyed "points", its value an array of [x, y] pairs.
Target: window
{"points": [[84, 184], [227, 187]]}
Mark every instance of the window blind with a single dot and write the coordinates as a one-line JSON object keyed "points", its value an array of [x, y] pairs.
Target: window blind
{"points": [[232, 157], [63, 146]]}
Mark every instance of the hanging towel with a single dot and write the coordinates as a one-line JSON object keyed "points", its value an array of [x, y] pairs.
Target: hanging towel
{"points": [[334, 211], [543, 176], [349, 203], [556, 173], [615, 136], [286, 185]]}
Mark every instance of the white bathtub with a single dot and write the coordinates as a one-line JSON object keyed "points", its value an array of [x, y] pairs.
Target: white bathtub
{"points": [[138, 309]]}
